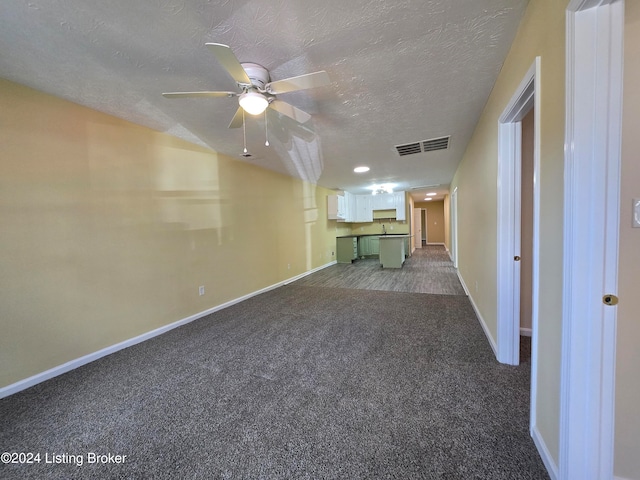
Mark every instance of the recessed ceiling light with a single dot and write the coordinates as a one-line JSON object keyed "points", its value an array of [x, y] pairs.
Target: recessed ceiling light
{"points": [[431, 194], [361, 169], [428, 199]]}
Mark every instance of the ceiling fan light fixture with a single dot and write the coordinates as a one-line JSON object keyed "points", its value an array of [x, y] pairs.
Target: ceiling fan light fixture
{"points": [[253, 103]]}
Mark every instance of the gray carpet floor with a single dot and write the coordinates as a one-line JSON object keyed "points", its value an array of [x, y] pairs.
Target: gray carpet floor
{"points": [[299, 382]]}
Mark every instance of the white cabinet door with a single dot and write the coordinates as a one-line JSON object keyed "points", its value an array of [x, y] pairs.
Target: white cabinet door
{"points": [[388, 201], [364, 208], [349, 207], [401, 212], [341, 210], [383, 201], [377, 202], [335, 207]]}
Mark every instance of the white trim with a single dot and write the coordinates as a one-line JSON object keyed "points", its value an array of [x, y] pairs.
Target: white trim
{"points": [[525, 332], [302, 275], [78, 362], [453, 225], [483, 324], [594, 53], [545, 455], [437, 243], [508, 245]]}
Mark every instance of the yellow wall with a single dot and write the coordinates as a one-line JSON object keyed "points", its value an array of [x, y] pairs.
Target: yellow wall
{"points": [[627, 426], [435, 220], [541, 33], [108, 229]]}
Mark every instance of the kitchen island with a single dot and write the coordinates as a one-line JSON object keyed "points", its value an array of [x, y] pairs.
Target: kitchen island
{"points": [[352, 247], [392, 250]]}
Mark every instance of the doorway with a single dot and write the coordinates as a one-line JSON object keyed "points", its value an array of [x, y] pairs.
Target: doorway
{"points": [[510, 213]]}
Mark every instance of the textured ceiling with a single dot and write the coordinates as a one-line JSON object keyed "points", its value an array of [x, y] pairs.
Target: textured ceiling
{"points": [[401, 71]]}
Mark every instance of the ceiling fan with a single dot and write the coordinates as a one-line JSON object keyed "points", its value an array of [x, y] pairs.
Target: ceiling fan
{"points": [[256, 91]]}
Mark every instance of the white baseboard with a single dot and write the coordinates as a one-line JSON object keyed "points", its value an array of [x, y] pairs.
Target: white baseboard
{"points": [[547, 459], [437, 243], [483, 324], [78, 362], [526, 332], [615, 477], [302, 275]]}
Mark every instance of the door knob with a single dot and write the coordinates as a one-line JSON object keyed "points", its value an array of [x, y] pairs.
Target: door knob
{"points": [[517, 258]]}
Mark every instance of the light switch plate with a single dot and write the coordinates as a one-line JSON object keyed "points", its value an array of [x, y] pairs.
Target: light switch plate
{"points": [[636, 213]]}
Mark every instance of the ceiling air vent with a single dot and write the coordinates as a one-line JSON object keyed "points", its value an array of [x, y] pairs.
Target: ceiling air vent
{"points": [[441, 143], [408, 149]]}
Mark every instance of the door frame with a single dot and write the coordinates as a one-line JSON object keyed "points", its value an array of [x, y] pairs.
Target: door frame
{"points": [[417, 230], [593, 131], [508, 244], [453, 218], [423, 223]]}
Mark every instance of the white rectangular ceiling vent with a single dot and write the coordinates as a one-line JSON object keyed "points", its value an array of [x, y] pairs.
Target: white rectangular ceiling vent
{"points": [[440, 143]]}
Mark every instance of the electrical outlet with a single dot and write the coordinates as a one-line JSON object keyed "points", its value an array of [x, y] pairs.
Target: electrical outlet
{"points": [[391, 227], [333, 253], [288, 266], [201, 290]]}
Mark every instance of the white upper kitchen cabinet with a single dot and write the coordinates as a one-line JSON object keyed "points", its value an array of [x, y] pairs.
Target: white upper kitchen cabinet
{"points": [[383, 201], [399, 205]]}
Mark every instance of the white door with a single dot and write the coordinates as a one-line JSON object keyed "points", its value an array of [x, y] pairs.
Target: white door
{"points": [[591, 227], [417, 227]]}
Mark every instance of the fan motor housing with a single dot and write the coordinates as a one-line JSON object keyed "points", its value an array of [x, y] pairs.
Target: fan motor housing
{"points": [[258, 75]]}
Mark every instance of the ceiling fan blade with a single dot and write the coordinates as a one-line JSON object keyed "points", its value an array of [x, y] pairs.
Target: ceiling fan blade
{"points": [[290, 111], [228, 60], [198, 94], [302, 82], [237, 120]]}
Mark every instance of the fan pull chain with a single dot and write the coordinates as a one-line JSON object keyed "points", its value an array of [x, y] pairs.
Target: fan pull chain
{"points": [[244, 132], [266, 130]]}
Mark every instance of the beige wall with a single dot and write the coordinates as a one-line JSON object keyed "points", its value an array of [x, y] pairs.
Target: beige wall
{"points": [[435, 220], [108, 230], [541, 33], [627, 426]]}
